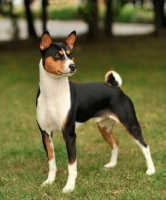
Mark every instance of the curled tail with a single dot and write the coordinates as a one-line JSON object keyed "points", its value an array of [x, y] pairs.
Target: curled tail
{"points": [[113, 79]]}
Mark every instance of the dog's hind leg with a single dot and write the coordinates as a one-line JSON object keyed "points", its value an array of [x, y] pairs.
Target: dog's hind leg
{"points": [[135, 131], [105, 126], [146, 151], [49, 148], [131, 124]]}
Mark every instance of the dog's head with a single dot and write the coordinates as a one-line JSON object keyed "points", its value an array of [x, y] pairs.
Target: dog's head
{"points": [[57, 58]]}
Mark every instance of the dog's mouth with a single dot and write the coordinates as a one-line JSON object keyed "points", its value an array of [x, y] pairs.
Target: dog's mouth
{"points": [[67, 73]]}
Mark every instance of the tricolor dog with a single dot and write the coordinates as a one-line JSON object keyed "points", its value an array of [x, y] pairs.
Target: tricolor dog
{"points": [[63, 105]]}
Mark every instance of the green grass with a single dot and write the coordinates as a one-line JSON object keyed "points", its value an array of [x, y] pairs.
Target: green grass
{"points": [[23, 164]]}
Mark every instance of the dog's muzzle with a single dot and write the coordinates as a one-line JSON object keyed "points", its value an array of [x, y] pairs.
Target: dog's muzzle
{"points": [[72, 68]]}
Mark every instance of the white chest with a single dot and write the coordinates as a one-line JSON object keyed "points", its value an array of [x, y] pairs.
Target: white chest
{"points": [[53, 102]]}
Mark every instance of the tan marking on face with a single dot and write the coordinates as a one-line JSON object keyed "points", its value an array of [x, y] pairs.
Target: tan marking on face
{"points": [[67, 52], [61, 52], [54, 66], [49, 149], [108, 136]]}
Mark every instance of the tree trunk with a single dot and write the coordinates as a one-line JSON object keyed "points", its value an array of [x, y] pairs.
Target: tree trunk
{"points": [[163, 17], [108, 18], [134, 2], [142, 3], [93, 23], [14, 22], [31, 29], [44, 14]]}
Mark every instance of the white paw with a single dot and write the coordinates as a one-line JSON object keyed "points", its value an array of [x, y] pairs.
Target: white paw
{"points": [[50, 179], [68, 188], [110, 165], [150, 171], [47, 182]]}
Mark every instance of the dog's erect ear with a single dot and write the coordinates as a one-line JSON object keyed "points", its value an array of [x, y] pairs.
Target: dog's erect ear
{"points": [[46, 40], [71, 39]]}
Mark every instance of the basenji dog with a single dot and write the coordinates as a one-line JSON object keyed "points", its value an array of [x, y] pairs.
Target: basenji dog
{"points": [[63, 105]]}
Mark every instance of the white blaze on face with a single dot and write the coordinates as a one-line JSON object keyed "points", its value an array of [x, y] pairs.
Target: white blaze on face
{"points": [[68, 61]]}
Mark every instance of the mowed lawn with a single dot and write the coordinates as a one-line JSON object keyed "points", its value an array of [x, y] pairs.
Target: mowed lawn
{"points": [[141, 62]]}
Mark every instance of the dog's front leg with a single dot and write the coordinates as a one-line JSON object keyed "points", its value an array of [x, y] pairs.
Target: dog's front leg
{"points": [[49, 148], [70, 140]]}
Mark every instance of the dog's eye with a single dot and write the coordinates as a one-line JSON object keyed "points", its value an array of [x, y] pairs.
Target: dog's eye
{"points": [[57, 56], [70, 55]]}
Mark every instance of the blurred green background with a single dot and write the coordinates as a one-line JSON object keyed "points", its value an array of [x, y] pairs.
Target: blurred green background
{"points": [[141, 62]]}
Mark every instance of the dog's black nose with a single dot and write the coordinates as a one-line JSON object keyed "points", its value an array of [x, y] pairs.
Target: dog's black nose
{"points": [[72, 67]]}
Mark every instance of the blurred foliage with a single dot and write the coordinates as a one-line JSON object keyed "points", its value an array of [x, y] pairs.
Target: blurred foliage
{"points": [[85, 10], [127, 13], [134, 14], [67, 13], [63, 13]]}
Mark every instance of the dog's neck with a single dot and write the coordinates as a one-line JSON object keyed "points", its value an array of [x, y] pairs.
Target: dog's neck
{"points": [[52, 86]]}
